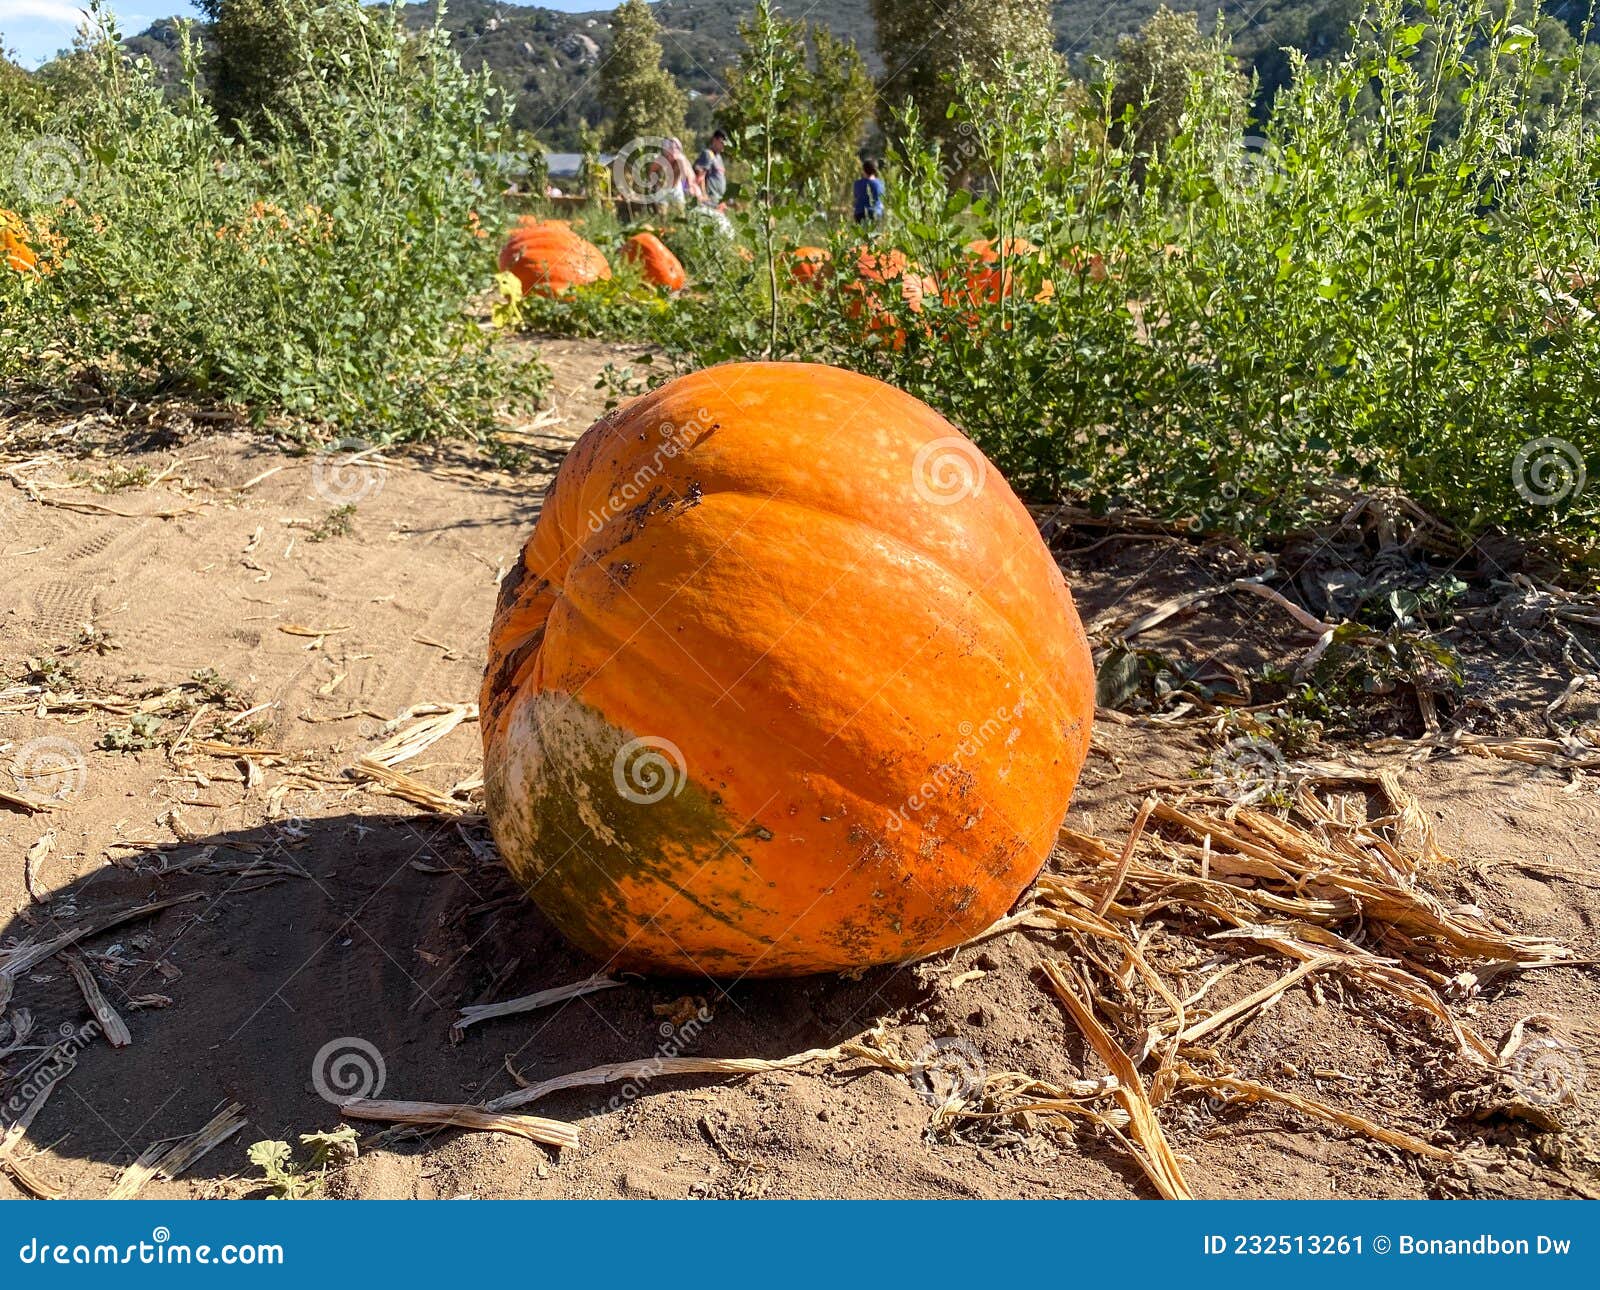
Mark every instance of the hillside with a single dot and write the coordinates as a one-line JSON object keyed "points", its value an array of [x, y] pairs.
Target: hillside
{"points": [[548, 59]]}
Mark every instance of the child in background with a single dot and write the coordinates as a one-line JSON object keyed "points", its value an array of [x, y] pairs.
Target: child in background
{"points": [[869, 194]]}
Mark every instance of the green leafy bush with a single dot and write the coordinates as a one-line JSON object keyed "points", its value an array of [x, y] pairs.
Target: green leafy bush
{"points": [[321, 275], [1391, 284]]}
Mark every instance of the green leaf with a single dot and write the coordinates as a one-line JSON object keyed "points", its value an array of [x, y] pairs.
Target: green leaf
{"points": [[270, 1157], [1517, 38], [1117, 680]]}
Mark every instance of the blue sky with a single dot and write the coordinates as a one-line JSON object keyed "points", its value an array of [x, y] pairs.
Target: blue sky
{"points": [[35, 30]]}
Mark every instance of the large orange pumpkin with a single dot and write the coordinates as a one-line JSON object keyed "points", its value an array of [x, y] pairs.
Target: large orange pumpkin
{"points": [[659, 264], [548, 258], [784, 682]]}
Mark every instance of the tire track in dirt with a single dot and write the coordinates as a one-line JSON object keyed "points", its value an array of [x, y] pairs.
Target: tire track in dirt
{"points": [[59, 608]]}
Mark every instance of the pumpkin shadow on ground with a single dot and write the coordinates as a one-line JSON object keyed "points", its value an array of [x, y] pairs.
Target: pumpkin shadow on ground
{"points": [[321, 958]]}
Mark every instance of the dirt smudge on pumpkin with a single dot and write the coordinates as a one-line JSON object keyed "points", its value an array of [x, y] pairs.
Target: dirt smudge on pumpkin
{"points": [[606, 829]]}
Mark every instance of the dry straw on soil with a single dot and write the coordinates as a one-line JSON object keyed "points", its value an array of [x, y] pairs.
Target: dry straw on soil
{"points": [[1319, 884]]}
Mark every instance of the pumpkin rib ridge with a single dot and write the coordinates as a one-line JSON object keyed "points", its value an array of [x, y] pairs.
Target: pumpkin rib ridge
{"points": [[606, 634], [923, 556], [1043, 684], [927, 555]]}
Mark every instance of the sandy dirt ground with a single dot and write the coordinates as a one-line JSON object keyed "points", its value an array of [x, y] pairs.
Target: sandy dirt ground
{"points": [[198, 591]]}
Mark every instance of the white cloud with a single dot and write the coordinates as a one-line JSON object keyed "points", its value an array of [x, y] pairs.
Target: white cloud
{"points": [[38, 29], [41, 10]]}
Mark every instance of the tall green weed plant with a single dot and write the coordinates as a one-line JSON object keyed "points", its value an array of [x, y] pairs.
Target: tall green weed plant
{"points": [[1392, 283], [317, 274]]}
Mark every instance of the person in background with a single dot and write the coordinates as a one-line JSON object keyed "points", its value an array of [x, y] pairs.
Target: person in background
{"points": [[710, 169], [869, 194], [674, 182]]}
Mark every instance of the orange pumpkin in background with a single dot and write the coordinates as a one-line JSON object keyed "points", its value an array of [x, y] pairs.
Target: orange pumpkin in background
{"points": [[986, 281], [1091, 264], [784, 681], [659, 264], [549, 259], [15, 247], [880, 266], [875, 269], [808, 262]]}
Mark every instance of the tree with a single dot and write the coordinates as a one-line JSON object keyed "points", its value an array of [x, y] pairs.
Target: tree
{"points": [[815, 114], [252, 62], [923, 43], [1155, 69], [24, 103], [638, 93], [1567, 76], [841, 102], [272, 62]]}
